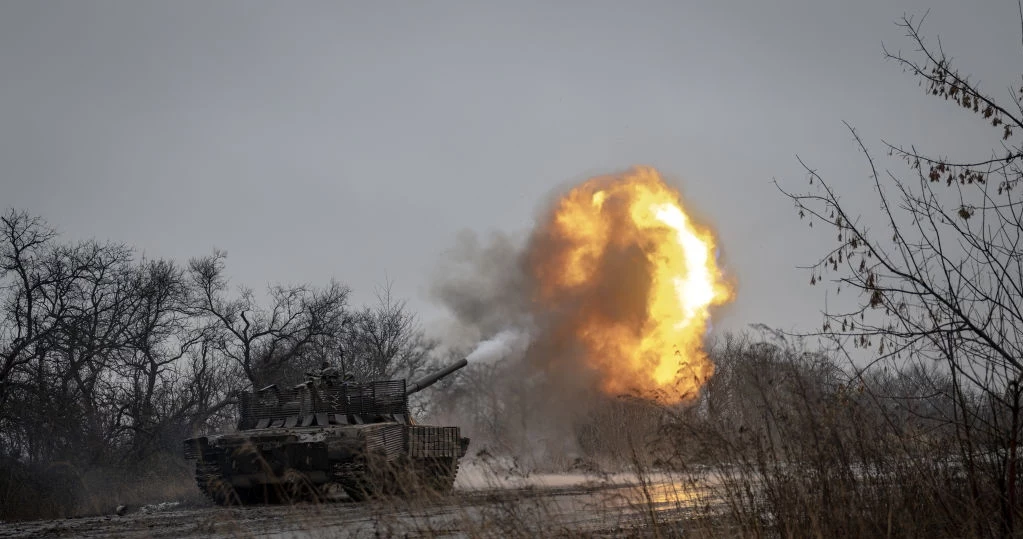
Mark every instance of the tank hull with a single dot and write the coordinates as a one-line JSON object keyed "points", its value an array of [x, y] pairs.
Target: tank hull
{"points": [[298, 443], [284, 464]]}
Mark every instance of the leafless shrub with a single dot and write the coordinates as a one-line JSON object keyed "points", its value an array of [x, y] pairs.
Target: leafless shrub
{"points": [[939, 283]]}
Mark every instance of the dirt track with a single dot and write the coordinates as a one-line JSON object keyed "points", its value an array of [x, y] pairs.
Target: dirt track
{"points": [[546, 508]]}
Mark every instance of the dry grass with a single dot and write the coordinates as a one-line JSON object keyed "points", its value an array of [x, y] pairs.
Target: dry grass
{"points": [[786, 450], [750, 498], [59, 489]]}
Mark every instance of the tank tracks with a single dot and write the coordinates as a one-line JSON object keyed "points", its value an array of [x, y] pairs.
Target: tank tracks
{"points": [[358, 480], [213, 484]]}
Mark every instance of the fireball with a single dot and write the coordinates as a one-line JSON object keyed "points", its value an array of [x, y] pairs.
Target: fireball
{"points": [[632, 278]]}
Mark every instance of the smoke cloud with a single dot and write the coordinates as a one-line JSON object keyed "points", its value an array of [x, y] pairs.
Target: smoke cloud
{"points": [[509, 344]]}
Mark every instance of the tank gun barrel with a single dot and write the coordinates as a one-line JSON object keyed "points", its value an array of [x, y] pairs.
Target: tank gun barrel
{"points": [[431, 379]]}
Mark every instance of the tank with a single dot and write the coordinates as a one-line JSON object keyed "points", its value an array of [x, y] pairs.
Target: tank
{"points": [[308, 441]]}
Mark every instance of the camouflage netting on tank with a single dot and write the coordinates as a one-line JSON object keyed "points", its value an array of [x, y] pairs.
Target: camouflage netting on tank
{"points": [[275, 407]]}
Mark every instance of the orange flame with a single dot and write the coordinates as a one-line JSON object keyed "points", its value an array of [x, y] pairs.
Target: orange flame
{"points": [[633, 279]]}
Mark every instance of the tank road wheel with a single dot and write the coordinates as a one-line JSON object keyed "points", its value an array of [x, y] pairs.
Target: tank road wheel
{"points": [[214, 486], [354, 480], [297, 487], [374, 477]]}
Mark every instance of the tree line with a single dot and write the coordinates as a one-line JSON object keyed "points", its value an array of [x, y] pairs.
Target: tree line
{"points": [[108, 359]]}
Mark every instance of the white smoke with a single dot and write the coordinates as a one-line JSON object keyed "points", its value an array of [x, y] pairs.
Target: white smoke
{"points": [[508, 344]]}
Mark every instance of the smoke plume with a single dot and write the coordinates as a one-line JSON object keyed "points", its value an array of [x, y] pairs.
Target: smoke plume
{"points": [[508, 344]]}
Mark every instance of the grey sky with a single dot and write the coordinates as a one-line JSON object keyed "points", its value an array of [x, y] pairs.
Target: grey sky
{"points": [[356, 139]]}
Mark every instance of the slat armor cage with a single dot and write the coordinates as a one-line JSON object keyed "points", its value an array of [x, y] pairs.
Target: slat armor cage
{"points": [[353, 402], [429, 441]]}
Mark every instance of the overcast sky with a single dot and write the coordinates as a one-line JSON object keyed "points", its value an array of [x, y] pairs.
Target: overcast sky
{"points": [[356, 139]]}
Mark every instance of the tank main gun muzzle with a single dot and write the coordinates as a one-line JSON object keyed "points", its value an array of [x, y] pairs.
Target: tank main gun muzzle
{"points": [[431, 379]]}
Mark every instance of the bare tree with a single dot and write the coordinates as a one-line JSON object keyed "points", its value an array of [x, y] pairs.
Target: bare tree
{"points": [[385, 341], [263, 341], [162, 377], [31, 312], [942, 281], [68, 312]]}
